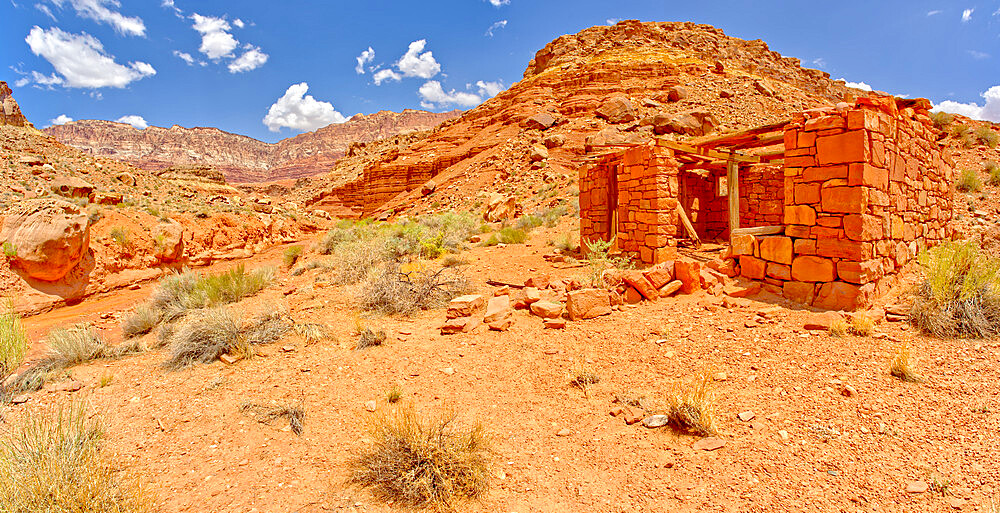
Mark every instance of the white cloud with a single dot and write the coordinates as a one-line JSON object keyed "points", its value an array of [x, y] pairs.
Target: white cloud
{"points": [[216, 42], [612, 21], [856, 85], [819, 61], [498, 3], [99, 11], [366, 57], [61, 119], [44, 80], [416, 64], [978, 55], [251, 59], [496, 26], [300, 111], [990, 111], [490, 89], [169, 4], [386, 74], [433, 95], [238, 23], [967, 15], [934, 12], [45, 9], [137, 122], [184, 56], [81, 60]]}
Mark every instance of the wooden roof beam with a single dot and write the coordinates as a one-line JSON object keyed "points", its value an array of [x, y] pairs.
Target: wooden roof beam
{"points": [[739, 137]]}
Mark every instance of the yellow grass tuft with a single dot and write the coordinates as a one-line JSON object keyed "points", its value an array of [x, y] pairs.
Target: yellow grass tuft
{"points": [[902, 366], [691, 406]]}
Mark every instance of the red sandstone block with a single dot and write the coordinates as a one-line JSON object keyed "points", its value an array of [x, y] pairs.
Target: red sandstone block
{"points": [[813, 269], [863, 227], [839, 296], [800, 215], [867, 174], [803, 161], [688, 272], [857, 119], [776, 249], [850, 200], [753, 268], [806, 139], [849, 249], [779, 271], [806, 193], [824, 173], [790, 138], [801, 232], [804, 247], [858, 272], [843, 148], [818, 232], [800, 292], [825, 122], [834, 221]]}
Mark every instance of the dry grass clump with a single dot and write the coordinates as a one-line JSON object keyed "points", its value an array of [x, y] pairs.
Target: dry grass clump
{"points": [[370, 338], [267, 327], [205, 335], [993, 171], [691, 407], [142, 320], [313, 332], [394, 394], [13, 340], [54, 464], [291, 255], [189, 290], [423, 464], [902, 366], [960, 294], [121, 237], [387, 290], [942, 119], [583, 377], [859, 325], [266, 414], [969, 181], [985, 135], [77, 344]]}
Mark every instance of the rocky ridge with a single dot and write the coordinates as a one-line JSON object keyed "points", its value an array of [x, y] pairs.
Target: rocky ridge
{"points": [[10, 112], [240, 158]]}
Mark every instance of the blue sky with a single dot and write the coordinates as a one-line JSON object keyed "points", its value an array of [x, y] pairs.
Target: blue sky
{"points": [[274, 69]]}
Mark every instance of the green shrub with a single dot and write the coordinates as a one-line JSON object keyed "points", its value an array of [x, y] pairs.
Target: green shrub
{"points": [[987, 136], [142, 320], [942, 119], [969, 181], [993, 170], [13, 341], [528, 222], [291, 255], [600, 261], [423, 464], [121, 237], [54, 464], [9, 250], [960, 294], [188, 290], [512, 235], [77, 344]]}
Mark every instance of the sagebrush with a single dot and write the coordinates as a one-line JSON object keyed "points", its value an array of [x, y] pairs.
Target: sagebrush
{"points": [[960, 293]]}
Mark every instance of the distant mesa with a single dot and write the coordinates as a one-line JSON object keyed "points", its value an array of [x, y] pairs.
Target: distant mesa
{"points": [[240, 158]]}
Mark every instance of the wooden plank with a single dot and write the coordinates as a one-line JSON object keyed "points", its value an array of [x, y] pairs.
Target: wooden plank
{"points": [[759, 230], [761, 141], [740, 136], [688, 227], [695, 150], [733, 184]]}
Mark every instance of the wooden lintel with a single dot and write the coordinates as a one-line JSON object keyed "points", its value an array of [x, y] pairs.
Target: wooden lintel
{"points": [[741, 136], [733, 186], [761, 141], [759, 230], [696, 150]]}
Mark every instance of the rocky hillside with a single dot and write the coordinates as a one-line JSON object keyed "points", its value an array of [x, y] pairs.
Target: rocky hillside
{"points": [[241, 158], [603, 85]]}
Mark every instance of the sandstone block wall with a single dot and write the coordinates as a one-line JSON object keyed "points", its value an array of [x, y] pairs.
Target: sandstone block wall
{"points": [[762, 196], [866, 189], [708, 212]]}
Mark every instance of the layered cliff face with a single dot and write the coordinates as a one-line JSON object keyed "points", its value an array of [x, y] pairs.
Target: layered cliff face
{"points": [[603, 85], [241, 158], [10, 113]]}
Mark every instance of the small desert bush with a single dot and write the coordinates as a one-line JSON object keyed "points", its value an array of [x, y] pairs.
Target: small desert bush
{"points": [[394, 394], [266, 327], [313, 332], [860, 325], [691, 407], [423, 464], [291, 255], [13, 340], [121, 237], [142, 320], [54, 464], [266, 414], [178, 293], [567, 243], [203, 337], [902, 366], [993, 171], [512, 235], [388, 290], [370, 338], [942, 119], [960, 293], [75, 345], [969, 181], [987, 136], [601, 261], [528, 222], [583, 377], [9, 250]]}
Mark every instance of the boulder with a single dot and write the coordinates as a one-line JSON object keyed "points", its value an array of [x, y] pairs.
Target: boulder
{"points": [[660, 274], [537, 153], [540, 121], [464, 306], [460, 325], [692, 122], [72, 187], [50, 236], [689, 273], [547, 309], [428, 188], [641, 284], [617, 109], [587, 304], [676, 93], [497, 309], [126, 178], [500, 207], [169, 239], [554, 140]]}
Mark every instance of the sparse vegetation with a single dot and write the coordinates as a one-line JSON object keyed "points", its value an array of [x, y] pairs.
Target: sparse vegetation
{"points": [[9, 250], [583, 377], [121, 237], [266, 414], [394, 394], [942, 119], [204, 336], [312, 332], [142, 320], [993, 171], [13, 340], [512, 235], [567, 243], [601, 261], [902, 366], [423, 464], [960, 294], [986, 136], [54, 464], [75, 345], [370, 338], [391, 291], [691, 407], [969, 181], [179, 293], [291, 255], [859, 325]]}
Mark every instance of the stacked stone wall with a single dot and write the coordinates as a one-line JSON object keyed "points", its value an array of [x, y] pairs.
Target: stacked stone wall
{"points": [[762, 195]]}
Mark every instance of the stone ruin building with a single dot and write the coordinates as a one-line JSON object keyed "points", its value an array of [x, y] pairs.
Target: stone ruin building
{"points": [[824, 208]]}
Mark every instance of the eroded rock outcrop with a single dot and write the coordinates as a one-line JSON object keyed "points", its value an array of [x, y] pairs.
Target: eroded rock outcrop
{"points": [[10, 112], [48, 237]]}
